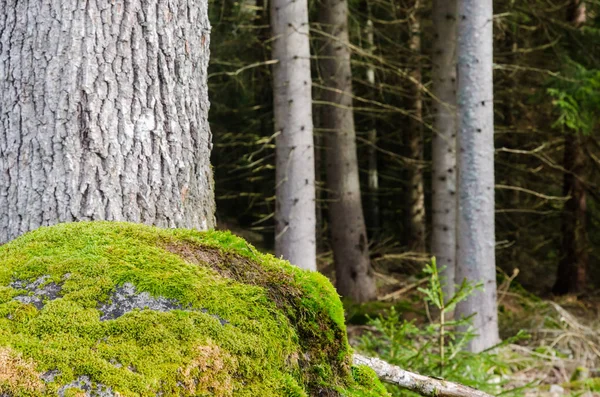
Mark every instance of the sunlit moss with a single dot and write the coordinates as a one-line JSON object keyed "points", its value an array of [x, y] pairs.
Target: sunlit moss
{"points": [[249, 324]]}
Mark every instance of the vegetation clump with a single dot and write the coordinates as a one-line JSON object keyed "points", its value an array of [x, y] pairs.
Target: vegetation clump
{"points": [[187, 313]]}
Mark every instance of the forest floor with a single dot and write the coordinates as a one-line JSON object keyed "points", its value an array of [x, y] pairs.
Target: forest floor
{"points": [[560, 356]]}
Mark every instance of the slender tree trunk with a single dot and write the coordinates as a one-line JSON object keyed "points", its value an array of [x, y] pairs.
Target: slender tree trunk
{"points": [[354, 275], [443, 239], [295, 169], [417, 230], [476, 258], [571, 276], [320, 185], [572, 268], [373, 220], [103, 113]]}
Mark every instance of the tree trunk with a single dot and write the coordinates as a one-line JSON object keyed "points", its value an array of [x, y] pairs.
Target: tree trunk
{"points": [[572, 268], [320, 231], [571, 276], [373, 221], [443, 239], [476, 258], [415, 138], [295, 169], [103, 114], [354, 275]]}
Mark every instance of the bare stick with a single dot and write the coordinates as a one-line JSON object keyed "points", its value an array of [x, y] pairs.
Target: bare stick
{"points": [[402, 291], [423, 385]]}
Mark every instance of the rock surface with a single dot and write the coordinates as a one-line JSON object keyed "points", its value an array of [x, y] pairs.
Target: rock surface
{"points": [[117, 309]]}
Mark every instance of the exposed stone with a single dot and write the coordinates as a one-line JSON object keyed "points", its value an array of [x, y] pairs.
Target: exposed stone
{"points": [[39, 291], [90, 389], [125, 299], [49, 375]]}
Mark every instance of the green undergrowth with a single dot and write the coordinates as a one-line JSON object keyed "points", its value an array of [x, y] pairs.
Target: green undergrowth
{"points": [[437, 348], [247, 324], [591, 385]]}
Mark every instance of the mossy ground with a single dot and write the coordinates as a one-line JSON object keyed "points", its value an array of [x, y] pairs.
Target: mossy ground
{"points": [[284, 333]]}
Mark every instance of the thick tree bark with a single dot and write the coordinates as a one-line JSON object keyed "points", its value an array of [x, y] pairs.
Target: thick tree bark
{"points": [[295, 169], [571, 276], [354, 275], [103, 113], [443, 239], [476, 258], [416, 220]]}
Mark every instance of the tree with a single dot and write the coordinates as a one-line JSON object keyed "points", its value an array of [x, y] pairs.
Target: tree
{"points": [[443, 239], [103, 114], [295, 216], [475, 212], [354, 274], [373, 221], [572, 270], [416, 217]]}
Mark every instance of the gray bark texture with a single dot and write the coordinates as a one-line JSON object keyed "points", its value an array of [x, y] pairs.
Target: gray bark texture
{"points": [[373, 171], [354, 274], [103, 113], [476, 259], [295, 215], [416, 218], [443, 238]]}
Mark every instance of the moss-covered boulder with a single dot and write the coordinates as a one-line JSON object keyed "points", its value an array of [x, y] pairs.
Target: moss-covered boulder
{"points": [[103, 308]]}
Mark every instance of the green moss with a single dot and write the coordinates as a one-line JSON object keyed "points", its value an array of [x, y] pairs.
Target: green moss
{"points": [[248, 324], [366, 383]]}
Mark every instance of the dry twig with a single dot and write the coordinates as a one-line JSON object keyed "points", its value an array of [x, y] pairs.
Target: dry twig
{"points": [[402, 291], [423, 385]]}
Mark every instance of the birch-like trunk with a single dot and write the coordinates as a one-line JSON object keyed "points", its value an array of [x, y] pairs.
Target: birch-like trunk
{"points": [[443, 238], [354, 275], [103, 113], [416, 225], [373, 221], [476, 258], [295, 169]]}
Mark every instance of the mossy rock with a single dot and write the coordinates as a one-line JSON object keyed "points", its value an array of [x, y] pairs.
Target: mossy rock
{"points": [[118, 309]]}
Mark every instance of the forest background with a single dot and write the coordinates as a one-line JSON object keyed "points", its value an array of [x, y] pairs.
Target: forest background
{"points": [[460, 129], [547, 152], [545, 97]]}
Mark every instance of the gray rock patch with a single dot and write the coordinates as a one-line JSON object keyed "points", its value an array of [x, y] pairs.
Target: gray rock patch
{"points": [[49, 376], [90, 389], [125, 299], [38, 290]]}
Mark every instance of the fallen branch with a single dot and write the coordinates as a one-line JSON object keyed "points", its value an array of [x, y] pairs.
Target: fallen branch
{"points": [[423, 385], [402, 291]]}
